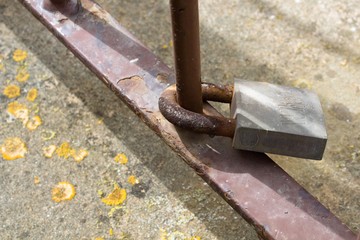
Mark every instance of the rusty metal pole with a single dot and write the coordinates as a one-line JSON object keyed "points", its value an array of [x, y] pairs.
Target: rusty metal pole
{"points": [[185, 27]]}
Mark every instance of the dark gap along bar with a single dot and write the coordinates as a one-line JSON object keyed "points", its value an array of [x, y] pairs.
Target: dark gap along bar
{"points": [[259, 190]]}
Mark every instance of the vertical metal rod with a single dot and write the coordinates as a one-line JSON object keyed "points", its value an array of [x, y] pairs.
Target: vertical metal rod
{"points": [[185, 28]]}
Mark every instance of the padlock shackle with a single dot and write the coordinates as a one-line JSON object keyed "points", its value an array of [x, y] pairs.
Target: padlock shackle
{"points": [[185, 29], [196, 122]]}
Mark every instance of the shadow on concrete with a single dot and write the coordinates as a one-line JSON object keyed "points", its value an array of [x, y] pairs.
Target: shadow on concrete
{"points": [[309, 30], [96, 99]]}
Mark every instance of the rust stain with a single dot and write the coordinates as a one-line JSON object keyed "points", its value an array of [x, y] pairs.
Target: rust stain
{"points": [[162, 77], [133, 79], [136, 83]]}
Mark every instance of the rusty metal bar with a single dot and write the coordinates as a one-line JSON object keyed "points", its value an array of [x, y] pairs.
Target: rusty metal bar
{"points": [[185, 27], [258, 189], [217, 93]]}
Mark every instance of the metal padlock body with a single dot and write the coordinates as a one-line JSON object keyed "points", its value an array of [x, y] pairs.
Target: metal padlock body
{"points": [[278, 119]]}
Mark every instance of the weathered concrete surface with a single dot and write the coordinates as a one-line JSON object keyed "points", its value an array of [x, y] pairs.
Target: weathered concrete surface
{"points": [[301, 43]]}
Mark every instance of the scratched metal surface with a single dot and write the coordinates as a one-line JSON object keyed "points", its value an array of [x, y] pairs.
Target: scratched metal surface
{"points": [[266, 196]]}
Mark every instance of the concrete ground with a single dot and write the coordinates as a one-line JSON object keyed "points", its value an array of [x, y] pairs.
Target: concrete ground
{"points": [[309, 44]]}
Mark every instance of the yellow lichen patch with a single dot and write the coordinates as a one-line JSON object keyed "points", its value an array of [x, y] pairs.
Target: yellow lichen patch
{"points": [[165, 46], [35, 108], [22, 75], [194, 238], [63, 191], [133, 180], [163, 234], [13, 148], [64, 150], [100, 121], [79, 155], [302, 83], [99, 238], [177, 235], [12, 91], [19, 111], [34, 123], [111, 232], [19, 55], [113, 211], [32, 95], [47, 135], [100, 193], [121, 158], [49, 151], [36, 180], [116, 197]]}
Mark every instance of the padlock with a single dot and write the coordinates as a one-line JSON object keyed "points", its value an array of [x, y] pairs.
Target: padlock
{"points": [[278, 119], [265, 117]]}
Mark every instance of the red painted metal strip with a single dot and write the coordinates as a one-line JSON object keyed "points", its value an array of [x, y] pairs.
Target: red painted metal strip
{"points": [[259, 190]]}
